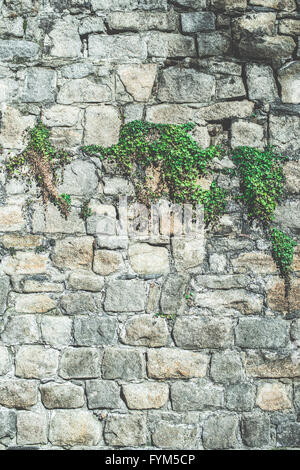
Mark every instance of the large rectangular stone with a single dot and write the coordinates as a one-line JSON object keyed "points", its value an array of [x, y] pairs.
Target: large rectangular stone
{"points": [[117, 48], [199, 333], [268, 333]]}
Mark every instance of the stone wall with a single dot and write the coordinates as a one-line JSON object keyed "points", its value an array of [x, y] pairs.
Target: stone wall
{"points": [[84, 361]]}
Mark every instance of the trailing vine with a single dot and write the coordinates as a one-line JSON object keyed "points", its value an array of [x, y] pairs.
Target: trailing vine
{"points": [[41, 161], [163, 160]]}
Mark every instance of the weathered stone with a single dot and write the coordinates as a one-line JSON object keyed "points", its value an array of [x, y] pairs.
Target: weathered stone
{"points": [[19, 394], [139, 21], [287, 214], [121, 5], [125, 430], [64, 40], [143, 330], [227, 281], [226, 367], [289, 78], [20, 329], [17, 241], [213, 44], [220, 431], [79, 363], [52, 221], [106, 262], [56, 331], [175, 364], [95, 331], [256, 431], [273, 396], [171, 45], [103, 394], [186, 86], [125, 296], [80, 179], [169, 114], [73, 253], [268, 333], [172, 296], [65, 395], [226, 110], [117, 47], [196, 22], [138, 80], [74, 428], [146, 395], [258, 24], [102, 125], [256, 262], [7, 424], [230, 88], [116, 186], [289, 26], [11, 218], [292, 176], [34, 303], [31, 285], [198, 333], [285, 133], [190, 396], [230, 5], [15, 49], [86, 281], [238, 299], [288, 435], [148, 259], [240, 397], [91, 25], [36, 362], [261, 83], [287, 5], [78, 70], [78, 303], [5, 361], [271, 367], [126, 364], [32, 428], [4, 289], [267, 47], [187, 253], [45, 91], [244, 133], [83, 90], [168, 435], [12, 136]]}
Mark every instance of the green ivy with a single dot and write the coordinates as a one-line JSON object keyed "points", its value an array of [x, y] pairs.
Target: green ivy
{"points": [[181, 162], [283, 248], [262, 179]]}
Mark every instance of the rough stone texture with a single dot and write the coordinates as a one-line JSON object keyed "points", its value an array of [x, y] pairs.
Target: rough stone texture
{"points": [[273, 397], [147, 259], [146, 395], [175, 364], [79, 363], [125, 296], [36, 362], [62, 395], [220, 432], [125, 430], [32, 428], [74, 428], [261, 83], [140, 342], [126, 364], [197, 333], [144, 330]]}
